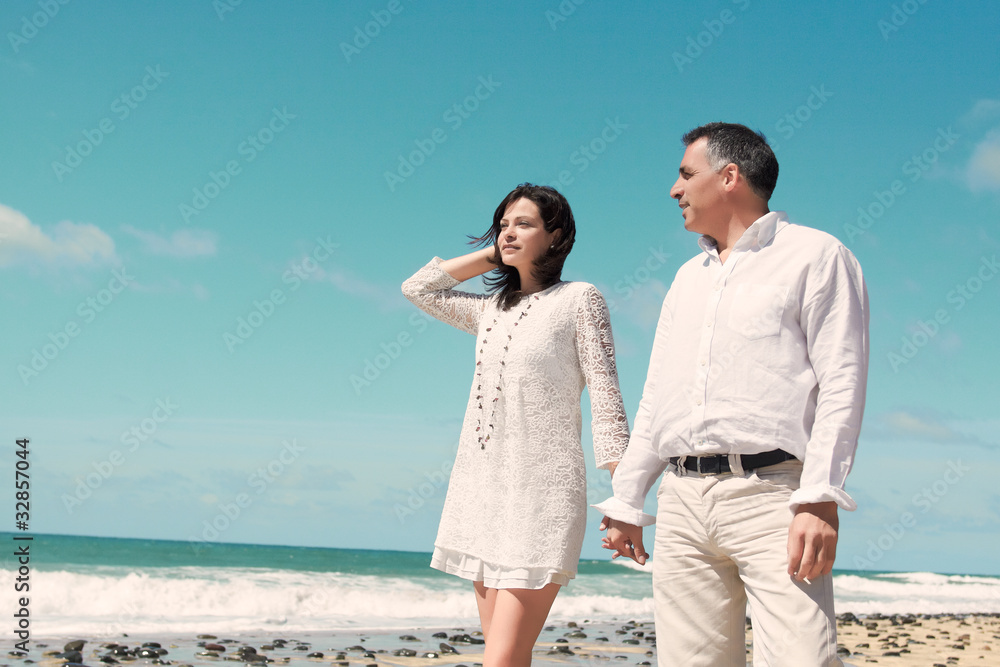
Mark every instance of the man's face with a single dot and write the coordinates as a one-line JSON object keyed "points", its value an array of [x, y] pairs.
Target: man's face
{"points": [[698, 191]]}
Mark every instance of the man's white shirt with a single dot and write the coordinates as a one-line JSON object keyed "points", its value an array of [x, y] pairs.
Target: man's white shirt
{"points": [[768, 350]]}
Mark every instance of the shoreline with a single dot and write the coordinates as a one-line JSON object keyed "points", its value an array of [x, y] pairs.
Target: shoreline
{"points": [[898, 639]]}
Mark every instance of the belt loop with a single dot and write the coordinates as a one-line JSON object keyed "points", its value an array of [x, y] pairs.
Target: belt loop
{"points": [[681, 470], [736, 465]]}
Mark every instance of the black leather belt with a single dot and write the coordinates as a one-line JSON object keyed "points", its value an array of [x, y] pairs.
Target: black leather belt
{"points": [[717, 465]]}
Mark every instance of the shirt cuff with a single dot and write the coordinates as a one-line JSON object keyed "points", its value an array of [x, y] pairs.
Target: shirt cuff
{"points": [[619, 511], [820, 494]]}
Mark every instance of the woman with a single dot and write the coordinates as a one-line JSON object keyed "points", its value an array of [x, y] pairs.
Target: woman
{"points": [[514, 517]]}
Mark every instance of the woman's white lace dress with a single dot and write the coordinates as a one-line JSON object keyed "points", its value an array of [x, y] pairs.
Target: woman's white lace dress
{"points": [[515, 513]]}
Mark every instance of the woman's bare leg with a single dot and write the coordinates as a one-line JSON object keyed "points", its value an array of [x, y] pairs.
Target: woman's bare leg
{"points": [[512, 619]]}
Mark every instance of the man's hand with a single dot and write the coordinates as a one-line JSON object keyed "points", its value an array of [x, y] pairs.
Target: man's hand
{"points": [[625, 539], [812, 540]]}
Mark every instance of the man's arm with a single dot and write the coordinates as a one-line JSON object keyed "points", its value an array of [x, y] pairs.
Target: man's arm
{"points": [[835, 322]]}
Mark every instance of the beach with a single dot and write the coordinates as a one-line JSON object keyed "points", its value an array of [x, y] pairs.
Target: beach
{"points": [[362, 607], [906, 640]]}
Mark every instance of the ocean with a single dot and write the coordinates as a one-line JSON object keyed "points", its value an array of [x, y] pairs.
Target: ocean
{"points": [[104, 587]]}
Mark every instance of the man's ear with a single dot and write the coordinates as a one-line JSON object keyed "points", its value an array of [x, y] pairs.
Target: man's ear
{"points": [[731, 176]]}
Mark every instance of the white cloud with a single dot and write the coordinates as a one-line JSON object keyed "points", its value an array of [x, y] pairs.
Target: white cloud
{"points": [[982, 110], [66, 244], [183, 243], [983, 171], [346, 281]]}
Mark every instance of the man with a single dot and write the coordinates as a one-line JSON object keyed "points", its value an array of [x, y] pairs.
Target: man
{"points": [[752, 403]]}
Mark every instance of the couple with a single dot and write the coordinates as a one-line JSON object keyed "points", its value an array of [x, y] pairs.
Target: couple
{"points": [[752, 405]]}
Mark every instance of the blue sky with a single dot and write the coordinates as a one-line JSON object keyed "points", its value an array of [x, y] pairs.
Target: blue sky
{"points": [[207, 209]]}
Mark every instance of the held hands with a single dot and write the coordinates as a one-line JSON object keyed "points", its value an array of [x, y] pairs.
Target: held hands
{"points": [[625, 539], [812, 540]]}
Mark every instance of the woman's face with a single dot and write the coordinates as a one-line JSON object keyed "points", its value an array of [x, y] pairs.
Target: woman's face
{"points": [[522, 238]]}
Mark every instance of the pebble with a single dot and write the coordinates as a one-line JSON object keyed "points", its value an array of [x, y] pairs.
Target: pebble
{"points": [[75, 645], [215, 647], [408, 638], [447, 649], [405, 652]]}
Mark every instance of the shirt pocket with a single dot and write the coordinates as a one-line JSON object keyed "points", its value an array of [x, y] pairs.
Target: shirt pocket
{"points": [[757, 310]]}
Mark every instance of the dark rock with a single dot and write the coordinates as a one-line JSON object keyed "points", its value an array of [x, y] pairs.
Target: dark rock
{"points": [[638, 633], [562, 640], [572, 624], [75, 645], [847, 617], [151, 645], [891, 653], [207, 654], [215, 647], [563, 650], [108, 660], [630, 641], [576, 634], [405, 653], [429, 654], [315, 654], [440, 635], [447, 649], [71, 656], [207, 637], [302, 647], [408, 638], [119, 650], [148, 653], [356, 648], [843, 651], [600, 639], [245, 649]]}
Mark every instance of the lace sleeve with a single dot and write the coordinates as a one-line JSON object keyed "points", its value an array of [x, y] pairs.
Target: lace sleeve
{"points": [[430, 290], [596, 349]]}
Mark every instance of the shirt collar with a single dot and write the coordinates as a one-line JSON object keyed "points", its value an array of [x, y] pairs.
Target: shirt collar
{"points": [[757, 235]]}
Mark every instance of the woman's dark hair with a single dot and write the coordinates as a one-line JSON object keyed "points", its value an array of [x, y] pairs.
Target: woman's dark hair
{"points": [[556, 214]]}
